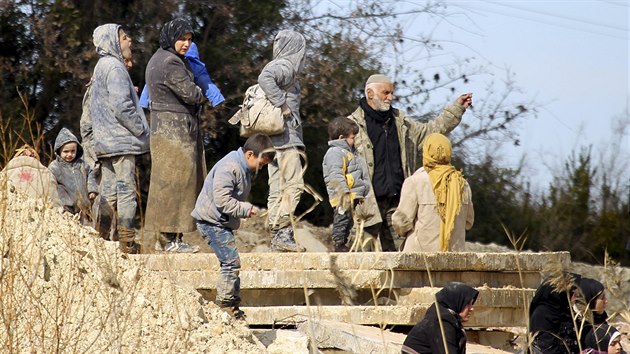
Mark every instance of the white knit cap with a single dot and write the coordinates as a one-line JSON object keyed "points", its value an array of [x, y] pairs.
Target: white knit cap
{"points": [[378, 79]]}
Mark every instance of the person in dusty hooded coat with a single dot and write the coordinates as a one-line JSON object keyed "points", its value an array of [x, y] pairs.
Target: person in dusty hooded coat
{"points": [[178, 167], [390, 142], [279, 81], [121, 132], [435, 208], [76, 183]]}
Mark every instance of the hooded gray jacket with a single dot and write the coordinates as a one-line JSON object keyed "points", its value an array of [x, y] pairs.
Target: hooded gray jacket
{"points": [[278, 80], [222, 201], [75, 180], [345, 171], [118, 122]]}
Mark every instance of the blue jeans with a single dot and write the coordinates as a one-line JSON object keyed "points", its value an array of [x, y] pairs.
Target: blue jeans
{"points": [[223, 243]]}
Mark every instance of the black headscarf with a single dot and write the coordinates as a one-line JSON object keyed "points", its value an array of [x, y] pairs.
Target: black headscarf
{"points": [[591, 289], [600, 337], [172, 31], [456, 296], [550, 305]]}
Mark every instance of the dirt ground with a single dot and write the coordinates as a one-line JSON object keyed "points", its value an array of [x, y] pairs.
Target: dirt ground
{"points": [[63, 289]]}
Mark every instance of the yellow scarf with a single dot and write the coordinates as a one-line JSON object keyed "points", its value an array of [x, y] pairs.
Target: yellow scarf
{"points": [[447, 182]]}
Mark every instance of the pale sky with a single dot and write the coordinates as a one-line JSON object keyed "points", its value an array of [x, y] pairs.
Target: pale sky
{"points": [[572, 56]]}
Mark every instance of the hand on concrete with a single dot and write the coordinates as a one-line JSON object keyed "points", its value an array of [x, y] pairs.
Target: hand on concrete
{"points": [[255, 211]]}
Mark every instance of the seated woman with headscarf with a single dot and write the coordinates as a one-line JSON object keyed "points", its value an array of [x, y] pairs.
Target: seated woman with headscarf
{"points": [[453, 306], [435, 207], [551, 324], [604, 339], [593, 311]]}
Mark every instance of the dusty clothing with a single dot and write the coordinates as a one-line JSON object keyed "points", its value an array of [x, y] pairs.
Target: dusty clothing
{"points": [[286, 185], [75, 180], [417, 218], [344, 172], [278, 80], [177, 164], [222, 201], [426, 337], [411, 134], [118, 192], [118, 122], [87, 133], [29, 176]]}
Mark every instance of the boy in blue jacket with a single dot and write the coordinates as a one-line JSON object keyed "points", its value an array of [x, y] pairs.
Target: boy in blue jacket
{"points": [[220, 206]]}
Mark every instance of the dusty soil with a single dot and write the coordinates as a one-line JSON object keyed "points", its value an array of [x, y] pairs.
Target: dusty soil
{"points": [[65, 290]]}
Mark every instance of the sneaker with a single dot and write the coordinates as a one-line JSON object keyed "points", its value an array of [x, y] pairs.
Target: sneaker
{"points": [[283, 241], [180, 247]]}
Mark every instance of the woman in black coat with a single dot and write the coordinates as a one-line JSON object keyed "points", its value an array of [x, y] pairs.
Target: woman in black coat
{"points": [[551, 323], [453, 306]]}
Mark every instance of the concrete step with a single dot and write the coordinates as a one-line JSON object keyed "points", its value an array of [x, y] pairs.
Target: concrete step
{"points": [[368, 279], [408, 315], [450, 261], [488, 297]]}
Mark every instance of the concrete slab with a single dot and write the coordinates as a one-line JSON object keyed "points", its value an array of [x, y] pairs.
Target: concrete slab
{"points": [[363, 339], [488, 297], [376, 279], [450, 261], [483, 317]]}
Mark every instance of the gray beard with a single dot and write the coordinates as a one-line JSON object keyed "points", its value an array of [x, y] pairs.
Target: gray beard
{"points": [[380, 105]]}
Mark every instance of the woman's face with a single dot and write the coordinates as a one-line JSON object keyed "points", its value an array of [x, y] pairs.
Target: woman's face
{"points": [[600, 303], [183, 43], [615, 346], [467, 312]]}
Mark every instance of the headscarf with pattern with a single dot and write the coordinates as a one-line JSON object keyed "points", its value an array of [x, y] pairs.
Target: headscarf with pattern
{"points": [[448, 183]]}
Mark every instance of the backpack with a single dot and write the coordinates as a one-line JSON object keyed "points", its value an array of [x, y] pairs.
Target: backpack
{"points": [[258, 115]]}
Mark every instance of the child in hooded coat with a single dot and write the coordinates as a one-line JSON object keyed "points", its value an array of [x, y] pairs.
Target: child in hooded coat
{"points": [[75, 179]]}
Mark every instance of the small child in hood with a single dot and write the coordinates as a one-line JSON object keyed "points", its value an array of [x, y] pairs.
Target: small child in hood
{"points": [[346, 176], [76, 183], [222, 204]]}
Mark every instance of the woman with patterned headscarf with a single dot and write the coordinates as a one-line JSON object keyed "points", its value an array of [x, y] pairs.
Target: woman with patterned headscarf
{"points": [[435, 208], [177, 170]]}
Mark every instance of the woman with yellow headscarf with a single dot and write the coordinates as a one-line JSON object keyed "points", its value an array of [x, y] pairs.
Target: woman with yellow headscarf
{"points": [[435, 208]]}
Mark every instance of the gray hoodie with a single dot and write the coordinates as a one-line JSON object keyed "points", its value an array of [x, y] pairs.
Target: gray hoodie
{"points": [[278, 80], [75, 180], [222, 201], [118, 122]]}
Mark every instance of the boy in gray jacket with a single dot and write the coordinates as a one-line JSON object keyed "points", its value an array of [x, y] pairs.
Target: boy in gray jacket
{"points": [[76, 184], [346, 177], [220, 206]]}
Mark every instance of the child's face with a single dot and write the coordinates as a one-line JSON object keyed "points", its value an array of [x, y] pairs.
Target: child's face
{"points": [[349, 139], [254, 162], [68, 152]]}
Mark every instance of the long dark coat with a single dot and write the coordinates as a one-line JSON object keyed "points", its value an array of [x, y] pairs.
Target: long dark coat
{"points": [[178, 168]]}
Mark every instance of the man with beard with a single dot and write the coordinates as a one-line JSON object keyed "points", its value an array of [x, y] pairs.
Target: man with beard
{"points": [[390, 143]]}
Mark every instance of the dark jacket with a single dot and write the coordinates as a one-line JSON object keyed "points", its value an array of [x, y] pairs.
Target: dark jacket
{"points": [[426, 337], [550, 319], [177, 164], [75, 180]]}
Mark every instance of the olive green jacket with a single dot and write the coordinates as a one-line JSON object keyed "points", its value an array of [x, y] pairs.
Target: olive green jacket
{"points": [[411, 134]]}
